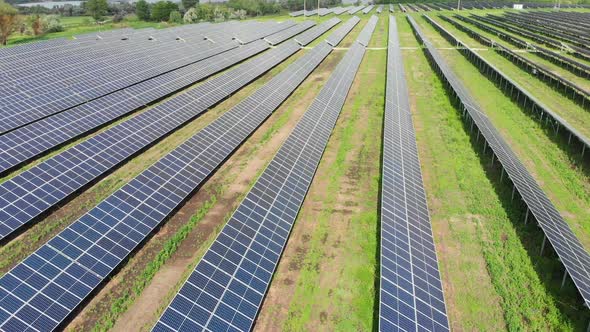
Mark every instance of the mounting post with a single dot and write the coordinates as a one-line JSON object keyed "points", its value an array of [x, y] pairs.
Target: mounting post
{"points": [[543, 245], [563, 280], [526, 216]]}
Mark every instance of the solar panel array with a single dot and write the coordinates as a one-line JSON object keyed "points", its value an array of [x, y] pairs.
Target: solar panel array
{"points": [[354, 10], [380, 9], [34, 191], [411, 295], [226, 289], [368, 9], [313, 33], [484, 65], [296, 13], [47, 286], [336, 37], [365, 35], [93, 69], [567, 246], [38, 137], [66, 85], [339, 10], [281, 36], [252, 32]]}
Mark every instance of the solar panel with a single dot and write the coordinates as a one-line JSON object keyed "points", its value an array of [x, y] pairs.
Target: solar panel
{"points": [[36, 138], [411, 295], [38, 189], [227, 287], [63, 272], [380, 9], [365, 35], [32, 105], [354, 10], [368, 9], [391, 8], [261, 30], [336, 37], [281, 36], [567, 246], [506, 81], [65, 89], [313, 33], [297, 13]]}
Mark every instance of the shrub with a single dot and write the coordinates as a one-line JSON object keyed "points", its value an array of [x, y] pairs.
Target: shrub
{"points": [[191, 16], [175, 17], [51, 23]]}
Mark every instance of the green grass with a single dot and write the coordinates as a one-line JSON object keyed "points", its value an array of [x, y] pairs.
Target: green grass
{"points": [[349, 301], [527, 285]]}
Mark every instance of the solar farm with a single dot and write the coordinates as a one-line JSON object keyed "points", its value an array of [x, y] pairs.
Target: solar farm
{"points": [[385, 167]]}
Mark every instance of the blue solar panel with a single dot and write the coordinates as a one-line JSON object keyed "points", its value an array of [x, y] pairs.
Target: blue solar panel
{"points": [[411, 295], [63, 272], [29, 141], [41, 187], [227, 287]]}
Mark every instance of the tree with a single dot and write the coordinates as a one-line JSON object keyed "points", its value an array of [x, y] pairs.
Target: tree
{"points": [[191, 16], [36, 24], [188, 4], [8, 21], [142, 10], [51, 23], [175, 17], [162, 9], [96, 8]]}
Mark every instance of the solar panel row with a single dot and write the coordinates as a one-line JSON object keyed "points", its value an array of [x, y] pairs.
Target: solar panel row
{"points": [[339, 10], [47, 286], [379, 9], [21, 111], [280, 37], [252, 33], [226, 289], [29, 105], [36, 190], [313, 33], [411, 295], [76, 58], [568, 248], [365, 35], [506, 81], [336, 37], [391, 8], [368, 9], [38, 137], [354, 10]]}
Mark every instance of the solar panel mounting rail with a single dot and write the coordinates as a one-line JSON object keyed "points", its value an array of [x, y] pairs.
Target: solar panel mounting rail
{"points": [[568, 248], [227, 287], [411, 294]]}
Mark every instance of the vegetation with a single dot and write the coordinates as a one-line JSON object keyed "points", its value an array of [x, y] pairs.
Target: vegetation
{"points": [[161, 10], [142, 10], [8, 21], [96, 8]]}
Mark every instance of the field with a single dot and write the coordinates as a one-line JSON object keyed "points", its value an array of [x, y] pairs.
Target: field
{"points": [[328, 277]]}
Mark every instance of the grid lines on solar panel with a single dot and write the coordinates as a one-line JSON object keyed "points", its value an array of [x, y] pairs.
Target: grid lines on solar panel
{"points": [[570, 251], [337, 36], [33, 139], [365, 36], [95, 244], [36, 190], [52, 91], [31, 105], [226, 289], [411, 296], [313, 33], [281, 36]]}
